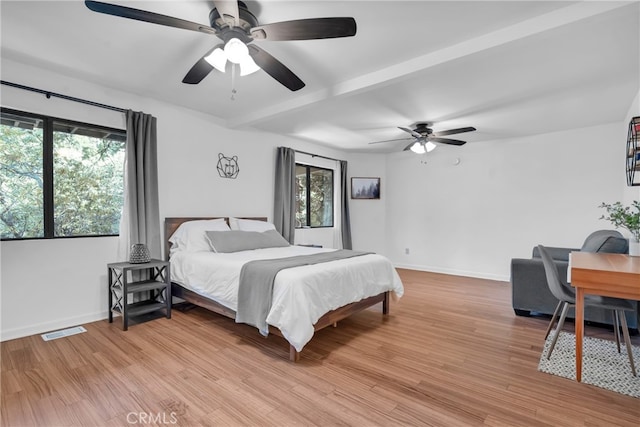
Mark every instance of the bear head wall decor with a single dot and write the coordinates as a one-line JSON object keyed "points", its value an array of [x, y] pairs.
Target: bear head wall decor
{"points": [[227, 166]]}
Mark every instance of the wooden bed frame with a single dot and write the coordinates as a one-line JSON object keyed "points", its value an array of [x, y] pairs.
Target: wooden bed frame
{"points": [[330, 318]]}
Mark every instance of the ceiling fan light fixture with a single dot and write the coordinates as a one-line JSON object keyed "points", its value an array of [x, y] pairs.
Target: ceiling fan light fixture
{"points": [[418, 148], [218, 59], [236, 51], [422, 138]]}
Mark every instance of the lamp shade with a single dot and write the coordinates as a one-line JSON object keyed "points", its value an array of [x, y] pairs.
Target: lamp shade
{"points": [[218, 59], [418, 148], [429, 146], [248, 66], [236, 51]]}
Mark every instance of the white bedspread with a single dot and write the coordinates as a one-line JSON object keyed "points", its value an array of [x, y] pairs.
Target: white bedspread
{"points": [[301, 295]]}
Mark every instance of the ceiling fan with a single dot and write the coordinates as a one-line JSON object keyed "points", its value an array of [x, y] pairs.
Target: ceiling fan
{"points": [[233, 23], [423, 137]]}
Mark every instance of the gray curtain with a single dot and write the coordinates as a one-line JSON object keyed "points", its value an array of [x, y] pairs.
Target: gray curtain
{"points": [[141, 214], [344, 205], [284, 215]]}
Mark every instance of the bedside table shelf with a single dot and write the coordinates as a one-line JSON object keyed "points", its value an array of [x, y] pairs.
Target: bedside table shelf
{"points": [[125, 279], [146, 285], [141, 307]]}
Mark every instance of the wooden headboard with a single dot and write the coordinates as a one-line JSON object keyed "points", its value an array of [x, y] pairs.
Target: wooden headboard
{"points": [[171, 224]]}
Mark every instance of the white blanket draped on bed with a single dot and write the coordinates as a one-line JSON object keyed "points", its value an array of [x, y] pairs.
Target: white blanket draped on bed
{"points": [[301, 295]]}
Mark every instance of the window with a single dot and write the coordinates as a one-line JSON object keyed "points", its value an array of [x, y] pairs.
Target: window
{"points": [[314, 196], [59, 178]]}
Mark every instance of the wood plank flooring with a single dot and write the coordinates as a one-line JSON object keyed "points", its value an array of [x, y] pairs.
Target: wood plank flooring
{"points": [[451, 353]]}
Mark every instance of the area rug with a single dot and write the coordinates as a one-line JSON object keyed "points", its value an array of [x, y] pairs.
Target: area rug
{"points": [[602, 365]]}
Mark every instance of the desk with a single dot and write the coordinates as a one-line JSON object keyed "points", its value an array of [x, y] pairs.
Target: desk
{"points": [[612, 275]]}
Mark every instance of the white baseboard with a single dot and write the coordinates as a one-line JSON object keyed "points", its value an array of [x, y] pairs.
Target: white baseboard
{"points": [[41, 328], [454, 272]]}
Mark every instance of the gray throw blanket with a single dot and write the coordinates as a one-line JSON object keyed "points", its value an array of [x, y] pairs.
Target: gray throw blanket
{"points": [[255, 290]]}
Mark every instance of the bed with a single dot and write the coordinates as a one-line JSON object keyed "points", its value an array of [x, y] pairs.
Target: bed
{"points": [[305, 298]]}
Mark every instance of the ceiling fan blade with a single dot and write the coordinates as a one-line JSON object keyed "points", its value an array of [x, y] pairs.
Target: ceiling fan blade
{"points": [[412, 132], [448, 141], [390, 140], [453, 131], [143, 15], [306, 29], [200, 69], [228, 9], [275, 68]]}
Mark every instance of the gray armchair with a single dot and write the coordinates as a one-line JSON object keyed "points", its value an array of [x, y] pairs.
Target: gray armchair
{"points": [[531, 295]]}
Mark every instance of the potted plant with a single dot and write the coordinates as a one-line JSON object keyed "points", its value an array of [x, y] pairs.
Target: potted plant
{"points": [[627, 217]]}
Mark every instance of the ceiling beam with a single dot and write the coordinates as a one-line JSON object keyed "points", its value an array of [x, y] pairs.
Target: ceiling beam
{"points": [[540, 24]]}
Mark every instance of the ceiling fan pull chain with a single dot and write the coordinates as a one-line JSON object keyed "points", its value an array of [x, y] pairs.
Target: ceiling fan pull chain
{"points": [[233, 81]]}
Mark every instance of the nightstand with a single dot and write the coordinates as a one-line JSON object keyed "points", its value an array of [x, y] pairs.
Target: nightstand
{"points": [[126, 278]]}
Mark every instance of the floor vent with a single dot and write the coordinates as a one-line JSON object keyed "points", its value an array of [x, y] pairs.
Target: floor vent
{"points": [[63, 333]]}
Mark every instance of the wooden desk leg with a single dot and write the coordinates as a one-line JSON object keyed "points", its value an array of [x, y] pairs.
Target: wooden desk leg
{"points": [[579, 331]]}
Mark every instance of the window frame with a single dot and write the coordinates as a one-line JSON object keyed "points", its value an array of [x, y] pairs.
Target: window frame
{"points": [[48, 203], [308, 196]]}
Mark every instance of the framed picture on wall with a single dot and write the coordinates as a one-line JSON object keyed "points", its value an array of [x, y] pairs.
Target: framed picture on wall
{"points": [[365, 188]]}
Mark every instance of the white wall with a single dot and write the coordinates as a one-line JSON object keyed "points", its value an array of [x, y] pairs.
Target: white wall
{"points": [[368, 217], [51, 284], [504, 197]]}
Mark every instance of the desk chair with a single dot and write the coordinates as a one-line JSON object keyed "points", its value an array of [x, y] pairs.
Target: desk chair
{"points": [[567, 298]]}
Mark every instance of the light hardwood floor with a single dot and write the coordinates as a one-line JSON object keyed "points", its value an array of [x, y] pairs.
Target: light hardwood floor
{"points": [[451, 353]]}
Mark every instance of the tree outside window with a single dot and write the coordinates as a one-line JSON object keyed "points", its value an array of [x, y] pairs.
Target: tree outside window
{"points": [[314, 196]]}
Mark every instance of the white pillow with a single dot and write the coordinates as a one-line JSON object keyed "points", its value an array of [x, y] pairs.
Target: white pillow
{"points": [[190, 236], [250, 225]]}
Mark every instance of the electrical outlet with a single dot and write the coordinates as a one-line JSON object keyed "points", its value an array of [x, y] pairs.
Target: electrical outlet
{"points": [[406, 251]]}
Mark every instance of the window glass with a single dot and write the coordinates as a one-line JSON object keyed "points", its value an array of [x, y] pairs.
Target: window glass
{"points": [[21, 181], [59, 178], [321, 188], [88, 181], [314, 196]]}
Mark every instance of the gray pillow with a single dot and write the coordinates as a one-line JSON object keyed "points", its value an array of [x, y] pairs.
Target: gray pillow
{"points": [[237, 240], [615, 245]]}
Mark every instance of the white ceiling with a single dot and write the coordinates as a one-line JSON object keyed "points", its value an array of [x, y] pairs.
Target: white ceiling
{"points": [[508, 68]]}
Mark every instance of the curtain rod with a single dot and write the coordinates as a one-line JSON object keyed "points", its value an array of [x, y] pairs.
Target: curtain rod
{"points": [[318, 155], [49, 94]]}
